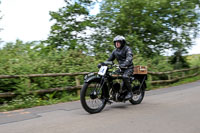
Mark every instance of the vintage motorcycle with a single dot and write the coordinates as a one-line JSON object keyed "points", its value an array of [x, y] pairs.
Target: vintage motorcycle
{"points": [[108, 86]]}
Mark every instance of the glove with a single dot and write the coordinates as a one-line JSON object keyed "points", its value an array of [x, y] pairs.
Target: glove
{"points": [[99, 65]]}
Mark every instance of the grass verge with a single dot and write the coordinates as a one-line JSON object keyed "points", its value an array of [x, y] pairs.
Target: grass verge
{"points": [[33, 101]]}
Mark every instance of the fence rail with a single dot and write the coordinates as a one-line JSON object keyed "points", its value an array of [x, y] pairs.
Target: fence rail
{"points": [[170, 72], [78, 86], [42, 75]]}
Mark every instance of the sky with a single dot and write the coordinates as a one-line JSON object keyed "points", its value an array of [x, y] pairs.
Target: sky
{"points": [[29, 20]]}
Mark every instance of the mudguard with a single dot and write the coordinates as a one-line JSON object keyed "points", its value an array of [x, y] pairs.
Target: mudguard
{"points": [[105, 91], [91, 78]]}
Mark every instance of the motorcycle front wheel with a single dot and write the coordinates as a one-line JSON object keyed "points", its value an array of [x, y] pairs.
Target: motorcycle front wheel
{"points": [[92, 99]]}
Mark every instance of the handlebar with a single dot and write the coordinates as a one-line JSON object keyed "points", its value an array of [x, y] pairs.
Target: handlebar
{"points": [[106, 63], [118, 66]]}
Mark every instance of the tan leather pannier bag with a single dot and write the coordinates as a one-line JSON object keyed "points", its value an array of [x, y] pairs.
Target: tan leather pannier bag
{"points": [[140, 70]]}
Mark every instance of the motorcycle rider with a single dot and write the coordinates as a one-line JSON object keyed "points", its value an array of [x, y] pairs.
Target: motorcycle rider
{"points": [[124, 56]]}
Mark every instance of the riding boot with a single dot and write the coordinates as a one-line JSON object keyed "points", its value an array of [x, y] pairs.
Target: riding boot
{"points": [[129, 88]]}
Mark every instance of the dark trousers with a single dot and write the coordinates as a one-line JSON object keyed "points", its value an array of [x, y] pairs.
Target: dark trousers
{"points": [[126, 73]]}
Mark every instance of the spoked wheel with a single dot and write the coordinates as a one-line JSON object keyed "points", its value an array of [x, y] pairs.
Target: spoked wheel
{"points": [[138, 93], [92, 98]]}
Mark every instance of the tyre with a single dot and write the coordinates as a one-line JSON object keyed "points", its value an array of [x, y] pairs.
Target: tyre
{"points": [[92, 99], [138, 93]]}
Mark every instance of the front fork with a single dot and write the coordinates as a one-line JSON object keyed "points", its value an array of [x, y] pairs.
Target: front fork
{"points": [[104, 87], [101, 87]]}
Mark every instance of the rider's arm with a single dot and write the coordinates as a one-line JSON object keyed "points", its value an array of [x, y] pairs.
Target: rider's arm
{"points": [[112, 56], [129, 57]]}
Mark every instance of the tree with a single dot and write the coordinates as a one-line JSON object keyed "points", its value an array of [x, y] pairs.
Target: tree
{"points": [[178, 60], [151, 26], [72, 21]]}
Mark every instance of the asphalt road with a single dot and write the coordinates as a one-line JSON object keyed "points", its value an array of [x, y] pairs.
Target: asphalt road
{"points": [[166, 110]]}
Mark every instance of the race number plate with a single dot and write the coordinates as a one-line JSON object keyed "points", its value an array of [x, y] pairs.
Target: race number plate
{"points": [[102, 70]]}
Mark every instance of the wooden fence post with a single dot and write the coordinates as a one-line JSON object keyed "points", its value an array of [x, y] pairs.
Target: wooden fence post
{"points": [[183, 74], [78, 84], [169, 77], [150, 77]]}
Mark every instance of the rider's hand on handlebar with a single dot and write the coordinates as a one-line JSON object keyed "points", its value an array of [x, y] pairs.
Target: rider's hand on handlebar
{"points": [[99, 65]]}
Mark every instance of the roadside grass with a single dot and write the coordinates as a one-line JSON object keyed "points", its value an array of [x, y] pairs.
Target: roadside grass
{"points": [[33, 101], [180, 82]]}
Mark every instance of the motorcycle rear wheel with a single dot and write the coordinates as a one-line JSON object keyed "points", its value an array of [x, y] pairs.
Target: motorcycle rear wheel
{"points": [[92, 99], [138, 95]]}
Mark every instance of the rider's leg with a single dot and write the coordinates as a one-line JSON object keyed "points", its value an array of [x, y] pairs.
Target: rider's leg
{"points": [[126, 79]]}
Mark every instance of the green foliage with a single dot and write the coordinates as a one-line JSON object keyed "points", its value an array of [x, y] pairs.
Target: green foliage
{"points": [[194, 60], [179, 61], [155, 64], [151, 26], [72, 21], [29, 58]]}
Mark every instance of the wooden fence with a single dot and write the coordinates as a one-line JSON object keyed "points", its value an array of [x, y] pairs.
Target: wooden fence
{"points": [[79, 86]]}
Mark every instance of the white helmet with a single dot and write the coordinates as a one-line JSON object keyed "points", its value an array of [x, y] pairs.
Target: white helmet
{"points": [[120, 39]]}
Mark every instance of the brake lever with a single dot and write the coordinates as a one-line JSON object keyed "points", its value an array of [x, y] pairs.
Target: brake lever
{"points": [[124, 67]]}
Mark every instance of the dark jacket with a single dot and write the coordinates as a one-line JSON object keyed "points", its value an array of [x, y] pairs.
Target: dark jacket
{"points": [[124, 56]]}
